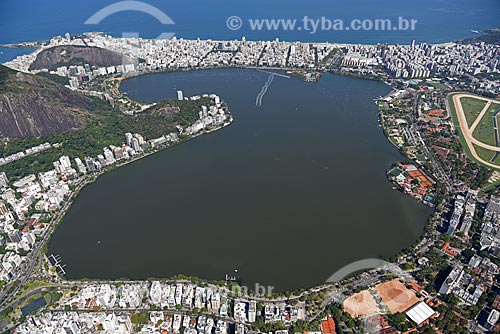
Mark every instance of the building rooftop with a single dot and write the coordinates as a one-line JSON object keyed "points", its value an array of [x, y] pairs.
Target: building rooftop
{"points": [[420, 312]]}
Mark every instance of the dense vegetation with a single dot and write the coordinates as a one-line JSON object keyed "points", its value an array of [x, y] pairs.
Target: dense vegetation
{"points": [[56, 78], [5, 73], [105, 127]]}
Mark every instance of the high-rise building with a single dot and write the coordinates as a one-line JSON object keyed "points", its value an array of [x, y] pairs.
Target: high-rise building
{"points": [[180, 95], [81, 167], [117, 152], [90, 164], [140, 139], [101, 160], [65, 161], [3, 208], [110, 159], [129, 137], [3, 180], [135, 144], [15, 236]]}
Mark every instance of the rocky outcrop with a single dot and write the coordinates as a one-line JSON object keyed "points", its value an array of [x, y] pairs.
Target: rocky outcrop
{"points": [[67, 55], [32, 106]]}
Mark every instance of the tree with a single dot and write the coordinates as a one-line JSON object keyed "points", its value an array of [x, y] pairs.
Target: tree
{"points": [[451, 300], [140, 318]]}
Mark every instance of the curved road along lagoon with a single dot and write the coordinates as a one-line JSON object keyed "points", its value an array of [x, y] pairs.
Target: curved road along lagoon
{"points": [[289, 193]]}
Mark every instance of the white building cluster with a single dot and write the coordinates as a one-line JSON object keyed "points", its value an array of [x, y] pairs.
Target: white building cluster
{"points": [[22, 154], [210, 117], [162, 54], [462, 284], [79, 73], [179, 303], [77, 323], [490, 232], [463, 213], [281, 312], [44, 193], [424, 60]]}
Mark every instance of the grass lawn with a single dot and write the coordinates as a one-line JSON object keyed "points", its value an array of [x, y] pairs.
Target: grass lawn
{"points": [[420, 157], [438, 85], [35, 284], [460, 134], [472, 108], [483, 153], [48, 298], [490, 186], [484, 131]]}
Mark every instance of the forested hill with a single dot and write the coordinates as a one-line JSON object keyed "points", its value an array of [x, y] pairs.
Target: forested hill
{"points": [[32, 106]]}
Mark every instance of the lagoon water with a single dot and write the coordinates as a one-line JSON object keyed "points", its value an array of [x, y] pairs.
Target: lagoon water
{"points": [[289, 193]]}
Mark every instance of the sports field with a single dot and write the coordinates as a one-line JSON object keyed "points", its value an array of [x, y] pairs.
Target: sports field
{"points": [[396, 296], [485, 130], [472, 108], [477, 118], [361, 304], [392, 296]]}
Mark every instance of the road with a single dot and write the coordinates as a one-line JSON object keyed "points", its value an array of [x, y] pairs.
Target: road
{"points": [[415, 138], [480, 117], [31, 260]]}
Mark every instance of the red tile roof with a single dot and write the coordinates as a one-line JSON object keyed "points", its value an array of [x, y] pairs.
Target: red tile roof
{"points": [[328, 326]]}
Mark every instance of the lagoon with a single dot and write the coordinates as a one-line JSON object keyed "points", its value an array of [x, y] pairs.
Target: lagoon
{"points": [[289, 193]]}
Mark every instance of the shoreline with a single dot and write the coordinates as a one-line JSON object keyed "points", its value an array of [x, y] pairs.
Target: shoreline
{"points": [[35, 43], [41, 249], [306, 288], [132, 160], [297, 77]]}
